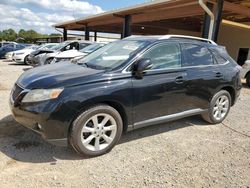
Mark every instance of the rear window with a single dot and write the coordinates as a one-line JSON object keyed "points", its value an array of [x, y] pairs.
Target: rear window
{"points": [[218, 58], [196, 55]]}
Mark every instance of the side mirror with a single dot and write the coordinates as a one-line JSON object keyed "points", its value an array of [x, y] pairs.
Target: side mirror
{"points": [[140, 66]]}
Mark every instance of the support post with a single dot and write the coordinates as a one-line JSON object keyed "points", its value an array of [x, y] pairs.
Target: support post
{"points": [[64, 34], [218, 18], [127, 26], [86, 32], [206, 25], [95, 36]]}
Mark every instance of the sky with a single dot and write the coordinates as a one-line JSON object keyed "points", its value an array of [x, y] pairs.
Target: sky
{"points": [[41, 14]]}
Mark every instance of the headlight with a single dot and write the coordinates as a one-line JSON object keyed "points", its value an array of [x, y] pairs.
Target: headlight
{"points": [[37, 95]]}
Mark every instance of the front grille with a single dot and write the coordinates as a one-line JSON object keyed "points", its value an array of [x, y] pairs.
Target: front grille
{"points": [[16, 91]]}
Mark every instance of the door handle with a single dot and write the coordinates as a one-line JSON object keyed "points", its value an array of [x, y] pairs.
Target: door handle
{"points": [[179, 80], [218, 75]]}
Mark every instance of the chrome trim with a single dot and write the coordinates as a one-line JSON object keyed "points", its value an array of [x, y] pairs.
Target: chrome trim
{"points": [[177, 69], [167, 118], [125, 70]]}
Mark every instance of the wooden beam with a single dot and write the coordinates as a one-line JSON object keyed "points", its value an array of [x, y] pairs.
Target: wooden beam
{"points": [[236, 8], [189, 11]]}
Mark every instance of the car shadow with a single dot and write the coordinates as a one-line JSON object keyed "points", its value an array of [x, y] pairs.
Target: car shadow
{"points": [[23, 145], [25, 69], [17, 64]]}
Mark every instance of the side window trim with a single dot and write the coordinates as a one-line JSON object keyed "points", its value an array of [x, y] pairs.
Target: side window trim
{"points": [[183, 55], [214, 53]]}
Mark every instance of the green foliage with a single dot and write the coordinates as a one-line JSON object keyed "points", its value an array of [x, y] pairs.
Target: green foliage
{"points": [[26, 36], [8, 34]]}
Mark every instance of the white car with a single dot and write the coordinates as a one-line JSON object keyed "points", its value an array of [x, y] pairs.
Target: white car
{"points": [[8, 56], [21, 56], [245, 72], [74, 55], [48, 57]]}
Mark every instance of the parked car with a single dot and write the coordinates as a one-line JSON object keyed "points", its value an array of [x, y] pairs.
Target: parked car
{"points": [[128, 84], [74, 55], [34, 57], [10, 48], [8, 56], [245, 72], [21, 56], [48, 57], [6, 43]]}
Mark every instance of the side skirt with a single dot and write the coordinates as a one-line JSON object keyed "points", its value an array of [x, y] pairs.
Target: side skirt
{"points": [[167, 118]]}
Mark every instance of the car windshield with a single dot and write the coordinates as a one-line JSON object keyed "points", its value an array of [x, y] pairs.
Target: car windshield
{"points": [[91, 48], [112, 55], [47, 46], [60, 46]]}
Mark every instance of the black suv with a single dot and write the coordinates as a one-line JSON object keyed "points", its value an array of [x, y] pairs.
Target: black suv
{"points": [[128, 84]]}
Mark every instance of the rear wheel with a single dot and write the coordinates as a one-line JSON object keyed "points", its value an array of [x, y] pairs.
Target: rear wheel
{"points": [[248, 79], [219, 107], [96, 131]]}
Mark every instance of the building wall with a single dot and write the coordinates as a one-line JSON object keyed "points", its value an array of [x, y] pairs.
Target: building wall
{"points": [[234, 38], [231, 37]]}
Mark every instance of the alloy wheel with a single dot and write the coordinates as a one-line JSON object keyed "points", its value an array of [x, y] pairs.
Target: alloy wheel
{"points": [[221, 107], [98, 132]]}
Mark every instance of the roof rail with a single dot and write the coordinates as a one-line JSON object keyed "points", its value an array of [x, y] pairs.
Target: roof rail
{"points": [[188, 37]]}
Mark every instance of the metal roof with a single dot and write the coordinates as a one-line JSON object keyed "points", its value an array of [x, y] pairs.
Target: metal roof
{"points": [[157, 17]]}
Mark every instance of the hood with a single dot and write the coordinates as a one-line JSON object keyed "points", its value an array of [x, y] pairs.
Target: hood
{"points": [[57, 75], [37, 52], [69, 54], [24, 51]]}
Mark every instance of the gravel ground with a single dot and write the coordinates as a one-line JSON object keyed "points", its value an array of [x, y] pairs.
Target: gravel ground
{"points": [[184, 153]]}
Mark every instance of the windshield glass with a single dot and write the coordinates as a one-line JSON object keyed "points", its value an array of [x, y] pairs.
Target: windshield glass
{"points": [[112, 55], [60, 46], [91, 48]]}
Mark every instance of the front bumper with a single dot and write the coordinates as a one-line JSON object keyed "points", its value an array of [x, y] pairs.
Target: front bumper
{"points": [[18, 58], [8, 56], [50, 119]]}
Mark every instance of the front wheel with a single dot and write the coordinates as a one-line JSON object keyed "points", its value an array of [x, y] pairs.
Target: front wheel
{"points": [[48, 61], [96, 131], [248, 80], [26, 60], [219, 107]]}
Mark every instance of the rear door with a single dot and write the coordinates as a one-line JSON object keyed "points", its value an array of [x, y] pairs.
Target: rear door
{"points": [[203, 74]]}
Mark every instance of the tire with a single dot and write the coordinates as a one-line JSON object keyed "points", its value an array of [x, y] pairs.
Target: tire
{"points": [[87, 131], [217, 104], [26, 60], [48, 61], [248, 79]]}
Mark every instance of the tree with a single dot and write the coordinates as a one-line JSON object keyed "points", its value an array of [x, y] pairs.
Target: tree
{"points": [[27, 36], [9, 35]]}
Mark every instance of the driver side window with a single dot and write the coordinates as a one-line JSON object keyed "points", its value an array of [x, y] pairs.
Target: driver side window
{"points": [[164, 56]]}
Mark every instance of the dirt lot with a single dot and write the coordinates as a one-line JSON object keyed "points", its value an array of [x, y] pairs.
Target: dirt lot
{"points": [[184, 153]]}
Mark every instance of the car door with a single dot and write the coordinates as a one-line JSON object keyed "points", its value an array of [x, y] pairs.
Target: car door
{"points": [[203, 74], [161, 91]]}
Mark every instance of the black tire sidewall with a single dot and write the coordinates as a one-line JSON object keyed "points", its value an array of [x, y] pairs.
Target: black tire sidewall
{"points": [[78, 124], [26, 59], [248, 80], [212, 103]]}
